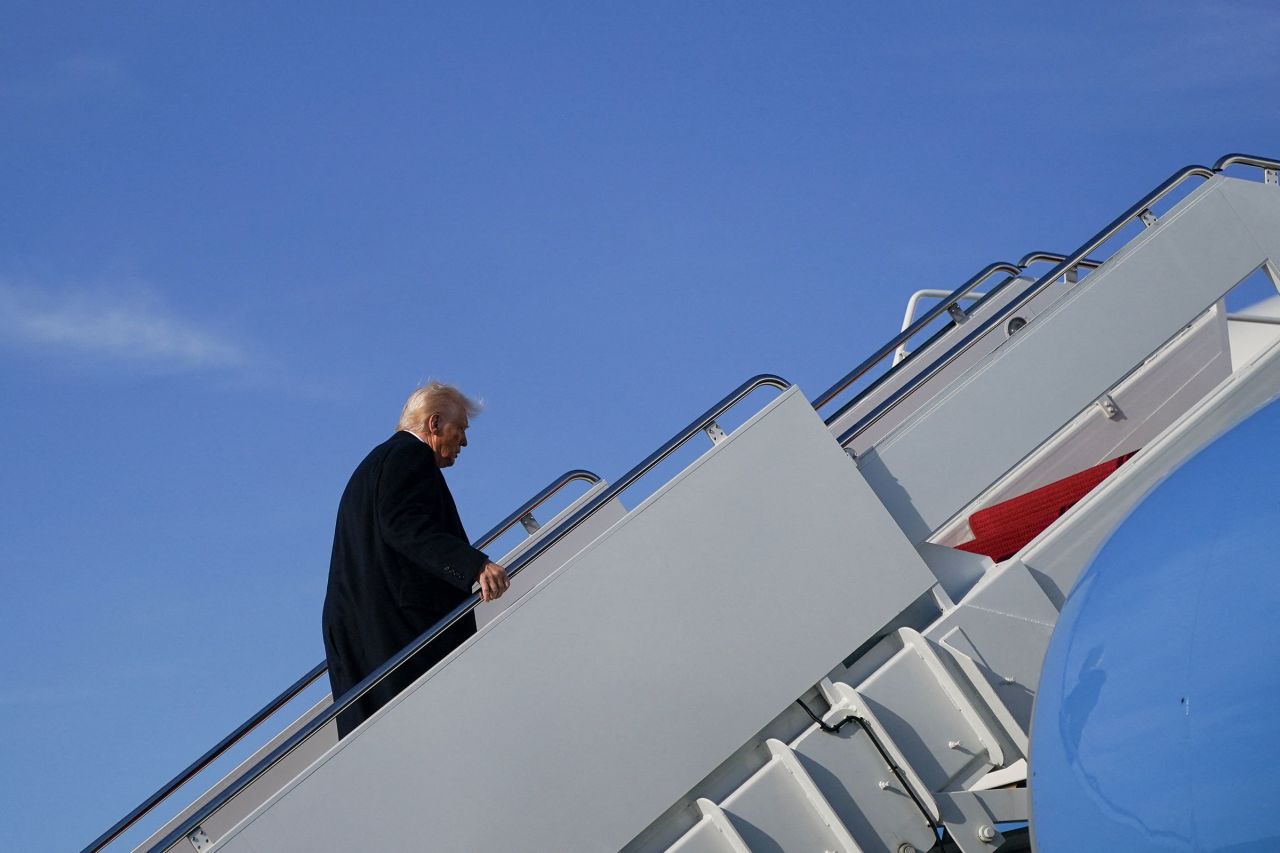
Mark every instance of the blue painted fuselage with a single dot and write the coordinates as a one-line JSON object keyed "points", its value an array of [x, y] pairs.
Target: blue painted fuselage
{"points": [[1156, 724]]}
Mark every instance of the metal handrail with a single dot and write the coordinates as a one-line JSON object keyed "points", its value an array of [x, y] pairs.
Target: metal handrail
{"points": [[907, 334], [312, 675], [426, 638], [1053, 257], [1264, 319], [214, 752], [898, 344], [536, 501], [1245, 160], [909, 316], [979, 298], [1068, 263]]}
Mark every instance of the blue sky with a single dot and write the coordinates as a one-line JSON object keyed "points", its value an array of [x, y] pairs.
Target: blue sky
{"points": [[235, 236]]}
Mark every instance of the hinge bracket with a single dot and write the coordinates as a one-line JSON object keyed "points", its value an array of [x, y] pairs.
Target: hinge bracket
{"points": [[529, 523], [200, 839], [1109, 407], [714, 432], [1148, 218]]}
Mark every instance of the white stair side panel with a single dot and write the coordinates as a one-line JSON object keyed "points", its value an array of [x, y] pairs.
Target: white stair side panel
{"points": [[555, 556], [1084, 343], [779, 808], [1258, 206], [607, 692], [938, 383], [262, 789]]}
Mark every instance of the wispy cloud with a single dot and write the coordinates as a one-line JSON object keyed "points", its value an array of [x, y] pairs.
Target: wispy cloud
{"points": [[125, 329]]}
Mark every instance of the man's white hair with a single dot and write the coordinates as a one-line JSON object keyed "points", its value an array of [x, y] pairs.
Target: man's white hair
{"points": [[436, 398]]}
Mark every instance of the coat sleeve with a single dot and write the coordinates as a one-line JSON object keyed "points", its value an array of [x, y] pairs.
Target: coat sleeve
{"points": [[411, 510]]}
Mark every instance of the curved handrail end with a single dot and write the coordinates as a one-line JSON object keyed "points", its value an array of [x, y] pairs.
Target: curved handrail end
{"points": [[1238, 159], [1054, 257]]}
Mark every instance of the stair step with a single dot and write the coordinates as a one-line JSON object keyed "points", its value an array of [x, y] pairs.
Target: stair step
{"points": [[854, 778], [780, 808], [713, 833], [935, 718]]}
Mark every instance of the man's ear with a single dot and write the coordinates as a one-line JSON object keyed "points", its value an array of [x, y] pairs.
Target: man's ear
{"points": [[433, 424]]}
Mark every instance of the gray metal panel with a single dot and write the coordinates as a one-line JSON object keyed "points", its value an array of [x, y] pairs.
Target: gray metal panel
{"points": [[1086, 341], [1258, 206], [262, 789], [555, 556], [941, 381], [609, 691], [277, 777]]}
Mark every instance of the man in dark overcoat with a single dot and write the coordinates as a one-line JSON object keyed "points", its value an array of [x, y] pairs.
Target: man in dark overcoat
{"points": [[401, 559]]}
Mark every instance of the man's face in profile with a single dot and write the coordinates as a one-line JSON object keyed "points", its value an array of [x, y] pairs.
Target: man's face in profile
{"points": [[448, 437]]}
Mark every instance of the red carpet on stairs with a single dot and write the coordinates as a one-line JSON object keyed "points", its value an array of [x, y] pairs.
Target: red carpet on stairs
{"points": [[1002, 529]]}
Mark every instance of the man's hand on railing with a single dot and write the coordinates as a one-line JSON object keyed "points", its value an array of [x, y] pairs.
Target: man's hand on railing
{"points": [[493, 582]]}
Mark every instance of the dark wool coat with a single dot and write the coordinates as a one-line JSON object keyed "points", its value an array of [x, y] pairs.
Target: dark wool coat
{"points": [[401, 561]]}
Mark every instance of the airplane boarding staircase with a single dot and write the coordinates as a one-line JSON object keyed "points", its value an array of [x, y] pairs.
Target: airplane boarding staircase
{"points": [[823, 634]]}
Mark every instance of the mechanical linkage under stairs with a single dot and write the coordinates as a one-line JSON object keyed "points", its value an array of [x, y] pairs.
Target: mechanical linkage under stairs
{"points": [[824, 634]]}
